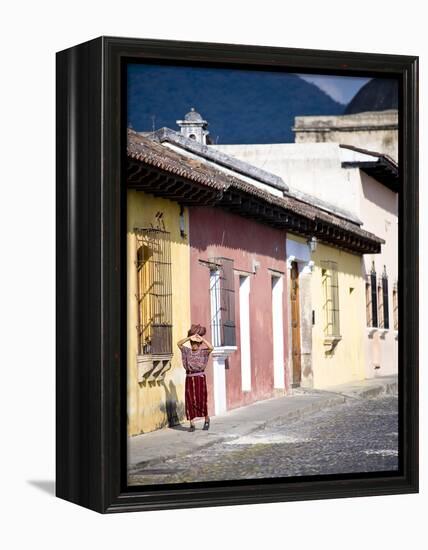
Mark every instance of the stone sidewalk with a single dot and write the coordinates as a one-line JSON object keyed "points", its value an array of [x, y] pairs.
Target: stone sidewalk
{"points": [[155, 447]]}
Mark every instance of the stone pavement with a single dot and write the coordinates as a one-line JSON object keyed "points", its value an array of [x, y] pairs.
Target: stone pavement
{"points": [[161, 445]]}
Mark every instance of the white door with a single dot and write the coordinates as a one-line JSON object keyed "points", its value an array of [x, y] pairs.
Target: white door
{"points": [[244, 320], [278, 332]]}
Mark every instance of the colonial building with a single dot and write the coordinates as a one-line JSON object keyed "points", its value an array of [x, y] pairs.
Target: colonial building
{"points": [[377, 179], [158, 283], [244, 237], [370, 121], [237, 289], [361, 186]]}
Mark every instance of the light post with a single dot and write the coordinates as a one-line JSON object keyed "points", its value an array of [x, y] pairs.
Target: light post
{"points": [[312, 243]]}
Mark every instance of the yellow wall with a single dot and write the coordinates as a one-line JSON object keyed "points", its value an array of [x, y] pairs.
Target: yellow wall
{"points": [[347, 361], [147, 403]]}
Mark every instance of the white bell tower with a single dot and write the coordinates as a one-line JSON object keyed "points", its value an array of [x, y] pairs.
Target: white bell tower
{"points": [[194, 127]]}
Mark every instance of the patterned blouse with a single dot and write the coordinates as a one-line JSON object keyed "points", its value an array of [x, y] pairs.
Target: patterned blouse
{"points": [[194, 361]]}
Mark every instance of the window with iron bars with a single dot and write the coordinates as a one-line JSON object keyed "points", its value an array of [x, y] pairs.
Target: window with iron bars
{"points": [[382, 301], [154, 291], [385, 301], [369, 315], [380, 305], [330, 283], [222, 301], [372, 299], [395, 305]]}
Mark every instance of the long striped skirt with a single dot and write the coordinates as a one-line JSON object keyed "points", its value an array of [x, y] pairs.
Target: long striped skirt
{"points": [[196, 396]]}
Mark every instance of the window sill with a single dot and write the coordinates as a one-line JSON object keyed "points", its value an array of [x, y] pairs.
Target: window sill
{"points": [[383, 332], [371, 331], [151, 367], [330, 342], [396, 334], [223, 352]]}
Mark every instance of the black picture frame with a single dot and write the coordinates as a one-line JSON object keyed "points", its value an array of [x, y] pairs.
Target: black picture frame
{"points": [[91, 327]]}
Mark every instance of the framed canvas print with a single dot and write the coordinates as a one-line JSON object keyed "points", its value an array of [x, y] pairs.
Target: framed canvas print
{"points": [[237, 274]]}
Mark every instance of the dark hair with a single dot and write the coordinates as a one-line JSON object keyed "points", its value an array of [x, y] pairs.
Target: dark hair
{"points": [[196, 329]]}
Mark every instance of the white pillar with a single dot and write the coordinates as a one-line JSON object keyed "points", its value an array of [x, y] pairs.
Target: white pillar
{"points": [[278, 332], [219, 356], [219, 385], [244, 320]]}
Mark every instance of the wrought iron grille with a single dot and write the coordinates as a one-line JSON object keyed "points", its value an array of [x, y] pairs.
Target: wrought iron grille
{"points": [[373, 279], [222, 300], [385, 300], [154, 287], [369, 313], [330, 282], [395, 305], [380, 309]]}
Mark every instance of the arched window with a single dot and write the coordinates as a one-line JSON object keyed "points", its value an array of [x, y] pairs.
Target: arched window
{"points": [[154, 296]]}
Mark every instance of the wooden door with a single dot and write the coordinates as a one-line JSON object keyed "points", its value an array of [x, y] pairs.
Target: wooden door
{"points": [[295, 324]]}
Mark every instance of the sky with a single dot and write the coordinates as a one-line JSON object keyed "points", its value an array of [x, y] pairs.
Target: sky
{"points": [[340, 88]]}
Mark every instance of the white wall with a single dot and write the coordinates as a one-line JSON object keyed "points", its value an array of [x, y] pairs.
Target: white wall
{"points": [[380, 207], [313, 168], [31, 33], [371, 130]]}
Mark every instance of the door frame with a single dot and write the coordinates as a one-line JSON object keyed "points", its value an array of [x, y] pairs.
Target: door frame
{"points": [[296, 336], [278, 325], [298, 252]]}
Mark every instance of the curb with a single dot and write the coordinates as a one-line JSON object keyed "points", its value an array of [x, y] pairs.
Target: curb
{"points": [[390, 388]]}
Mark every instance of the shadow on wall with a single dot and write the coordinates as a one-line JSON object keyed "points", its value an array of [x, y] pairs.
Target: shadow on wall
{"points": [[173, 407], [216, 227], [376, 193]]}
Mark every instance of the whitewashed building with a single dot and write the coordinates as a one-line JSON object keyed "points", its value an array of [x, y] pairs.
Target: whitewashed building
{"points": [[359, 185]]}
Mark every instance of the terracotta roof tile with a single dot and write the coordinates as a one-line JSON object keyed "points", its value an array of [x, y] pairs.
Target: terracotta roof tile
{"points": [[157, 155], [152, 153]]}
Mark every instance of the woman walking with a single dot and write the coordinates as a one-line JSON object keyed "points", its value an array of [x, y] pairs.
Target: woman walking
{"points": [[195, 360]]}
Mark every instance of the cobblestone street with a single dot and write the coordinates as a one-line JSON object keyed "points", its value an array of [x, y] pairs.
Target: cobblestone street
{"points": [[360, 435]]}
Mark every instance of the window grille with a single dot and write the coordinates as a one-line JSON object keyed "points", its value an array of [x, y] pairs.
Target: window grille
{"points": [[369, 313], [395, 305], [380, 305], [154, 291], [215, 307], [222, 300], [385, 299], [373, 285], [330, 284]]}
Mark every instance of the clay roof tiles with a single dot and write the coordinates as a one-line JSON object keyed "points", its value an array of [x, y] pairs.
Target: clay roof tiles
{"points": [[152, 153]]}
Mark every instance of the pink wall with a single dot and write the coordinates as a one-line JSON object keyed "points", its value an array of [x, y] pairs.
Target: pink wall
{"points": [[379, 212], [212, 233]]}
